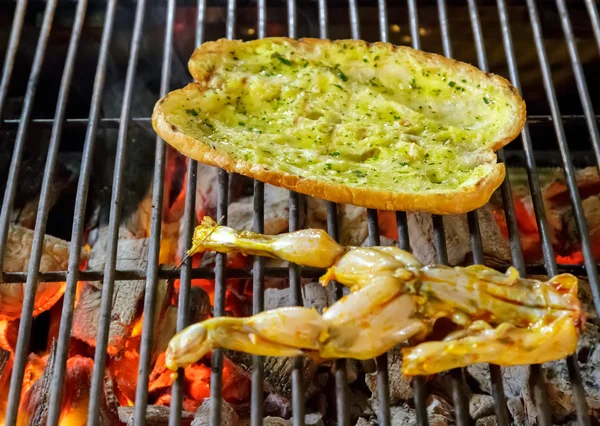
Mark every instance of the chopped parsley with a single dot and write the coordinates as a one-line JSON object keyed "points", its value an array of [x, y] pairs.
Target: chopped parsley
{"points": [[486, 100], [341, 75], [283, 60], [192, 112]]}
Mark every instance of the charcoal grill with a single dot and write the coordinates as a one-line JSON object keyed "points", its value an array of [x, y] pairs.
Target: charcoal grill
{"points": [[321, 13]]}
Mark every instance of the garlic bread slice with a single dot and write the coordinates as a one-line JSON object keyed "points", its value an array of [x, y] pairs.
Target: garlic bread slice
{"points": [[374, 125]]}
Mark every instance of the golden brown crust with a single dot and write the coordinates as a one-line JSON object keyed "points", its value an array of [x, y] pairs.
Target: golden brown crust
{"points": [[463, 200]]}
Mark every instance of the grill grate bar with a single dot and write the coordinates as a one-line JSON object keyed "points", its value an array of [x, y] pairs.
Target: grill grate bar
{"points": [[537, 380], [595, 18], [539, 390], [216, 376], [258, 269], [578, 391], [298, 403], [258, 299], [26, 319], [461, 405], [183, 301], [114, 222], [341, 377], [7, 204], [588, 108], [497, 387], [141, 397], [189, 221], [72, 276], [11, 51], [418, 382], [113, 122], [206, 273]]}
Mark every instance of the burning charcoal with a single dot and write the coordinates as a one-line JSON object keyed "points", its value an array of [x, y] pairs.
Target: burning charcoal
{"points": [[241, 213], [34, 403], [8, 334], [404, 415], [558, 383], [515, 378], [487, 421], [156, 415], [481, 406], [277, 406], [400, 385], [420, 229], [359, 404], [5, 370], [55, 257], [202, 415], [516, 410], [352, 224], [276, 421], [313, 419], [132, 254]]}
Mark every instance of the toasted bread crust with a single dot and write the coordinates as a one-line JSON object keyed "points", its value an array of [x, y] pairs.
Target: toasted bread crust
{"points": [[462, 200]]}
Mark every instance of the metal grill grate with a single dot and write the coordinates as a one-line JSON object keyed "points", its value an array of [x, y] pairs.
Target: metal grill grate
{"points": [[154, 271]]}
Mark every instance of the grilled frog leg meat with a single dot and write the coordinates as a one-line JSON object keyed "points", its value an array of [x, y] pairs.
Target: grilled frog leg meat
{"points": [[498, 318]]}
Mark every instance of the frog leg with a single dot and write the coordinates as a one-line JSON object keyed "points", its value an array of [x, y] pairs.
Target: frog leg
{"points": [[505, 345], [308, 247], [279, 332]]}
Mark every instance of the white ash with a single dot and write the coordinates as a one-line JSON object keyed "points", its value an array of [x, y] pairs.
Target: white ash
{"points": [[558, 384], [202, 414], [481, 406], [276, 421], [276, 212], [516, 410], [421, 233], [400, 385], [487, 421]]}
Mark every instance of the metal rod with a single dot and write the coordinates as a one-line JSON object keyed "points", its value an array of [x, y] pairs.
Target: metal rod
{"points": [[96, 391], [183, 301], [7, 204], [141, 394], [64, 334], [592, 124], [595, 18], [15, 164], [461, 405], [341, 379], [578, 391], [113, 122], [185, 277], [539, 389], [216, 376], [172, 272], [418, 382], [258, 270], [258, 305], [11, 51], [26, 319], [497, 387]]}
